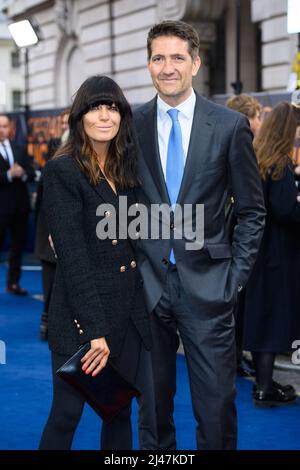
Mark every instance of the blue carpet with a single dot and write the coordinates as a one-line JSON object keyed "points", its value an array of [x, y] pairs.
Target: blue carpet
{"points": [[25, 392]]}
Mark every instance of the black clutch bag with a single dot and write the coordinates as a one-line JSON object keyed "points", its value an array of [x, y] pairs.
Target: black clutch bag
{"points": [[107, 393]]}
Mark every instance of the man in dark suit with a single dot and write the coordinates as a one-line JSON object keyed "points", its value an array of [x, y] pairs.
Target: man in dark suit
{"points": [[192, 152], [15, 170]]}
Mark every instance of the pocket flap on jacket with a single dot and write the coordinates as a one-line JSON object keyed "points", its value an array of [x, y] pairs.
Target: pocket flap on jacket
{"points": [[219, 250]]}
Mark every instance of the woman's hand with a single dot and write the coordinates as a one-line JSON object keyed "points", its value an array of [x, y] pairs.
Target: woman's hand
{"points": [[96, 358]]}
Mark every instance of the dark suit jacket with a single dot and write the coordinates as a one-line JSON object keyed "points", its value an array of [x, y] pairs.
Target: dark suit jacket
{"points": [[14, 195], [220, 156], [90, 286]]}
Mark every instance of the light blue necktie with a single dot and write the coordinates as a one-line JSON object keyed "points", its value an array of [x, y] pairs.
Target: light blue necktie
{"points": [[175, 162]]}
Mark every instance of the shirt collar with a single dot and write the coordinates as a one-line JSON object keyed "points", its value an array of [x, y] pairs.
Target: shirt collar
{"points": [[6, 143], [186, 108]]}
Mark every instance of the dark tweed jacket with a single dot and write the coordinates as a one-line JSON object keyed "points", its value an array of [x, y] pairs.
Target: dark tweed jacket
{"points": [[97, 287]]}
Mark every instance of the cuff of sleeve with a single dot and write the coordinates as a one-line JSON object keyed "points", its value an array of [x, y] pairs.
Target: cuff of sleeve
{"points": [[9, 177], [87, 334]]}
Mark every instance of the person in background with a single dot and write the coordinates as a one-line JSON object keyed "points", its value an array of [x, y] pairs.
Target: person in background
{"points": [[272, 299], [97, 296], [55, 142], [251, 108], [264, 112], [42, 248], [16, 169]]}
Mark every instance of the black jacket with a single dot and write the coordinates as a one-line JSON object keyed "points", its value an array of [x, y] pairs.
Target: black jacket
{"points": [[272, 302], [42, 249], [14, 195], [97, 286]]}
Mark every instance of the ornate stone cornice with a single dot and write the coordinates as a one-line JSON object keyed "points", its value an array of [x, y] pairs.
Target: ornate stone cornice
{"points": [[190, 10], [64, 13]]}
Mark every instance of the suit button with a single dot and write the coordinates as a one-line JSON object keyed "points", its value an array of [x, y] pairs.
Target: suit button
{"points": [[77, 324], [240, 288], [122, 269], [133, 264], [80, 332], [76, 321], [114, 242], [171, 226], [107, 213]]}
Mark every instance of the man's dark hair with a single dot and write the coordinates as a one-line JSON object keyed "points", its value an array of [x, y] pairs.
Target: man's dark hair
{"points": [[180, 29]]}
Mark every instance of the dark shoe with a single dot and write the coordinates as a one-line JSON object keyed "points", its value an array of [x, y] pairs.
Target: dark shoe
{"points": [[16, 290], [276, 397], [44, 327], [288, 389]]}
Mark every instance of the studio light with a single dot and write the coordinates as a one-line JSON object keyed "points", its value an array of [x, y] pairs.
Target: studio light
{"points": [[23, 33]]}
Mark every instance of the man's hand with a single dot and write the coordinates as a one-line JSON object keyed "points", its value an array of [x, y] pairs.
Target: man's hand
{"points": [[52, 245], [96, 358], [16, 171]]}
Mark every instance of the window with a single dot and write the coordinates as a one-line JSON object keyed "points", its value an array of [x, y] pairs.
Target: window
{"points": [[16, 100], [15, 59]]}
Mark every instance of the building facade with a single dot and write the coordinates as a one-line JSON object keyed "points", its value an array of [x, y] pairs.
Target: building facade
{"points": [[11, 77], [84, 37]]}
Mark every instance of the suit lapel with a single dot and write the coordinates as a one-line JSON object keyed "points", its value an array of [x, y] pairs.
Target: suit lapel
{"points": [[4, 162], [109, 197], [3, 157], [150, 149], [106, 193], [202, 128]]}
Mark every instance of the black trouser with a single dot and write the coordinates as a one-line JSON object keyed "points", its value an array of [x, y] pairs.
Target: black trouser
{"points": [[48, 276], [209, 346], [16, 225], [67, 405]]}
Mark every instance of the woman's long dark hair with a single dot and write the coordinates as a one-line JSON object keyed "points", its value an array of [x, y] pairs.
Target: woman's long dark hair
{"points": [[275, 140], [121, 162]]}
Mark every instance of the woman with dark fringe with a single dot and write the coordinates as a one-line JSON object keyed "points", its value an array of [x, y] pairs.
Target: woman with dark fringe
{"points": [[97, 295]]}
